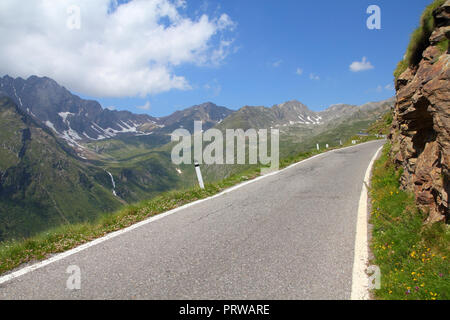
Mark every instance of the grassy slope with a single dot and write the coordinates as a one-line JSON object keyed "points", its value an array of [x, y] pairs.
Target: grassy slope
{"points": [[383, 125], [413, 258], [42, 184], [420, 39]]}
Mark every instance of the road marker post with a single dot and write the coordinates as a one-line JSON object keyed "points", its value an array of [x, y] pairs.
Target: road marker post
{"points": [[318, 148], [199, 175]]}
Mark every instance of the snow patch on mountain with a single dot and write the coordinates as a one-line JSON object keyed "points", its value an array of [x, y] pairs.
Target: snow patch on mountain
{"points": [[50, 125], [64, 115]]}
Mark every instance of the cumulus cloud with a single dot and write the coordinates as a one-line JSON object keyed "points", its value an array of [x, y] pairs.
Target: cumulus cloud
{"points": [[119, 50], [363, 65], [299, 71], [313, 76]]}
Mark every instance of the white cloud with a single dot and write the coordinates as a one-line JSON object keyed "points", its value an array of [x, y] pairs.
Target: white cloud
{"points": [[313, 76], [224, 22], [380, 88], [389, 87], [120, 50], [213, 87], [363, 65], [277, 63], [299, 71], [146, 106]]}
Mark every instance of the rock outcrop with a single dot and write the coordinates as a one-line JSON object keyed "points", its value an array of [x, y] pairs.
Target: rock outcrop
{"points": [[420, 134]]}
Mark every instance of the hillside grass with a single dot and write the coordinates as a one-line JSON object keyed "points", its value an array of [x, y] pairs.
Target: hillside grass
{"points": [[383, 125], [419, 39], [413, 257], [15, 253]]}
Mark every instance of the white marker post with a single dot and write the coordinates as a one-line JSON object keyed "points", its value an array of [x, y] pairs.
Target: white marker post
{"points": [[327, 146], [199, 175], [318, 148]]}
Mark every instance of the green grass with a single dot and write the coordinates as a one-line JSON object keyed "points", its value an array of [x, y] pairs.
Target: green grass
{"points": [[419, 39], [383, 125], [443, 45], [413, 257], [401, 67], [17, 252]]}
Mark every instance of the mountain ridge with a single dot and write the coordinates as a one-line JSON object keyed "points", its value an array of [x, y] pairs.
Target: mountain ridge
{"points": [[78, 120], [71, 117]]}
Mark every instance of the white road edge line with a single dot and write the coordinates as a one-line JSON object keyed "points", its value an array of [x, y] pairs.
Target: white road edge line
{"points": [[360, 279], [63, 255]]}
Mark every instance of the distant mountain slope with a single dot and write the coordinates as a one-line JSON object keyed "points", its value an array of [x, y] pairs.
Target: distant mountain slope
{"points": [[209, 113], [42, 182], [368, 111], [288, 113], [295, 114], [69, 116]]}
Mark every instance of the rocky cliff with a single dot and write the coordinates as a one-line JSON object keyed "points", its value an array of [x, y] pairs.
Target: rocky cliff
{"points": [[420, 134]]}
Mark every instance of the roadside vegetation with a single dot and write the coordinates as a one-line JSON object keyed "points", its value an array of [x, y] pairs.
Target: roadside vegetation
{"points": [[420, 39], [18, 252], [413, 257], [382, 126]]}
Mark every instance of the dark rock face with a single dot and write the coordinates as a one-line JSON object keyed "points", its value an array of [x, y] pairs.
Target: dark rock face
{"points": [[421, 128]]}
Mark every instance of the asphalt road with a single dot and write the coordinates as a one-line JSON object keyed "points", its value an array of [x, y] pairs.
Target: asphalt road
{"points": [[287, 236]]}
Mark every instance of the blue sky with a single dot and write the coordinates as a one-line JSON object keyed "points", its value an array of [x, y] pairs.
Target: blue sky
{"points": [[275, 38], [247, 52]]}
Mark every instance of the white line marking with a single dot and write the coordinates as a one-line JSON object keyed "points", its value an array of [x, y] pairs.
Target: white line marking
{"points": [[112, 235], [360, 279]]}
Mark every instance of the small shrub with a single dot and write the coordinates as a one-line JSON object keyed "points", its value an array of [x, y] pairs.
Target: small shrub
{"points": [[443, 45]]}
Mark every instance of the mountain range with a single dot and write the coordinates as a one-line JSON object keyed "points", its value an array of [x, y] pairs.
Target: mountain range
{"points": [[64, 159], [75, 119], [66, 114]]}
